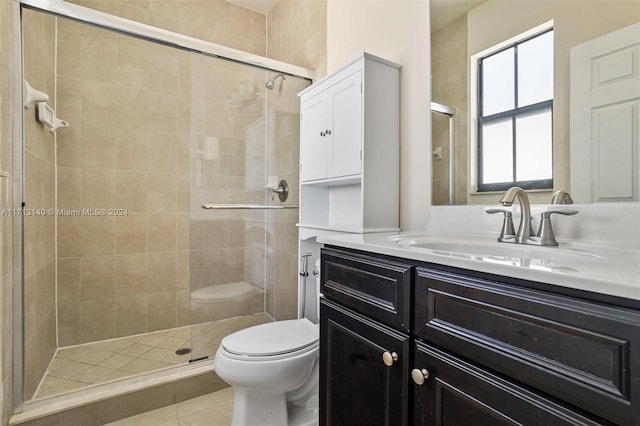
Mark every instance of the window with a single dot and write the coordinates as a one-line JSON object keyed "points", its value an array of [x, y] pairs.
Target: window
{"points": [[515, 106]]}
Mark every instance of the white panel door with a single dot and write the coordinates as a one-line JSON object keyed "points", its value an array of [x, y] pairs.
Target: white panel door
{"points": [[605, 117], [346, 130], [314, 142]]}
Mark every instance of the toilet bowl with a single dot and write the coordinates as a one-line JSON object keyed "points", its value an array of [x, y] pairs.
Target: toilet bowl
{"points": [[273, 368]]}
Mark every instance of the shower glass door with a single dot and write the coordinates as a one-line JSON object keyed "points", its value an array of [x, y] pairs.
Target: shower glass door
{"points": [[243, 251]]}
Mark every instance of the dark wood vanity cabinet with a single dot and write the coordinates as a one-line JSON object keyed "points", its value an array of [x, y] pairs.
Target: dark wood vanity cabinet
{"points": [[495, 350], [364, 351], [583, 353]]}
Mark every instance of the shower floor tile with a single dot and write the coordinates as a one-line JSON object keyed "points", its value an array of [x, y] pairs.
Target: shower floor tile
{"points": [[75, 367]]}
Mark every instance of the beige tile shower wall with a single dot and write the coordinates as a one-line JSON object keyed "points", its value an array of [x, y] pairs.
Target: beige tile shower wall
{"points": [[6, 312], [297, 34], [282, 234], [143, 108], [39, 183], [216, 21], [449, 86], [126, 151]]}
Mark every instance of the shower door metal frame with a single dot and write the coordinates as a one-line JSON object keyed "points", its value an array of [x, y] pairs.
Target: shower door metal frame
{"points": [[450, 112], [17, 196], [168, 38], [119, 25]]}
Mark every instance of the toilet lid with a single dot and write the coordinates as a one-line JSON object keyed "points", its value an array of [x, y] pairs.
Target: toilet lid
{"points": [[274, 338]]}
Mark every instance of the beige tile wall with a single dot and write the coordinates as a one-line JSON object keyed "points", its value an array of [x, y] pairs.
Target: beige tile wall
{"points": [[39, 183], [449, 54], [297, 34], [217, 21], [282, 233], [6, 312], [127, 149], [142, 132]]}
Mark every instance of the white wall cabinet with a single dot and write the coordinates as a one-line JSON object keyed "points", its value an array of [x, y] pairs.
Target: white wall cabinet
{"points": [[349, 148], [331, 125], [349, 159]]}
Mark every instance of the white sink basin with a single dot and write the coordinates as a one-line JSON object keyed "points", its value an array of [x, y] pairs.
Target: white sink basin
{"points": [[487, 250], [585, 265]]}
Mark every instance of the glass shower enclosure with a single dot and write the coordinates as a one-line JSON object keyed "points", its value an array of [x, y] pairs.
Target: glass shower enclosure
{"points": [[124, 270]]}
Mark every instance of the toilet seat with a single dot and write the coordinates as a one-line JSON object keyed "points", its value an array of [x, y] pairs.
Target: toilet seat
{"points": [[271, 341]]}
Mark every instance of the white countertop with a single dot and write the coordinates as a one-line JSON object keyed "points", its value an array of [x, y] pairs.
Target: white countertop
{"points": [[591, 267]]}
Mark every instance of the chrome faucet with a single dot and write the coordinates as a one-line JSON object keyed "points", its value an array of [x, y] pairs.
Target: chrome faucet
{"points": [[544, 236], [524, 229]]}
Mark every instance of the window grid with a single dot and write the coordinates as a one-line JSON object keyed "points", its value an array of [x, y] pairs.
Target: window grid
{"points": [[512, 114]]}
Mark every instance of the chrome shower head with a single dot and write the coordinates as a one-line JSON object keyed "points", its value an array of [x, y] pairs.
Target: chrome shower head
{"points": [[270, 84]]}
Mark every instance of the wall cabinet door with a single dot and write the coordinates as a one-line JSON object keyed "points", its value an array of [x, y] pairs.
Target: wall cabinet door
{"points": [[357, 387], [331, 141], [313, 149], [458, 393], [345, 102]]}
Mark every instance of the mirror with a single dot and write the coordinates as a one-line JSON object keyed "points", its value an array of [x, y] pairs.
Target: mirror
{"points": [[461, 29]]}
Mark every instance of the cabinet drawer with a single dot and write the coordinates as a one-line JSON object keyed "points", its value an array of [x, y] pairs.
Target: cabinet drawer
{"points": [[584, 353], [459, 393], [379, 289]]}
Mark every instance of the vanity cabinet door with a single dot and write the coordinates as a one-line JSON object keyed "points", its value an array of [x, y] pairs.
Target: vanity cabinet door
{"points": [[458, 393], [357, 387]]}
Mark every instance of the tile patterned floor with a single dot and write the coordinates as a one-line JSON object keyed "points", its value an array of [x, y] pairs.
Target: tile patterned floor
{"points": [[79, 366], [213, 409]]}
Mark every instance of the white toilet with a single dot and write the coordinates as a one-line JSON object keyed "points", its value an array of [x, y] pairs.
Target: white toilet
{"points": [[273, 369]]}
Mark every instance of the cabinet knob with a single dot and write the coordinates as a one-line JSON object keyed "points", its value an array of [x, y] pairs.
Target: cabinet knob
{"points": [[389, 358], [419, 376], [322, 134], [327, 132]]}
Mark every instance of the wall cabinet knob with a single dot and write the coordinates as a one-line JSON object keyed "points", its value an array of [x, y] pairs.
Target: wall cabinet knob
{"points": [[419, 376], [389, 358], [327, 132], [322, 134]]}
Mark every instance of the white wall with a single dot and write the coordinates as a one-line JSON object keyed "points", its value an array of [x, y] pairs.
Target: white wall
{"points": [[397, 30]]}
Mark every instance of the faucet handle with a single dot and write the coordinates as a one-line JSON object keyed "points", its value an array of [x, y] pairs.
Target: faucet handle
{"points": [[545, 231], [548, 213], [508, 230], [561, 197]]}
